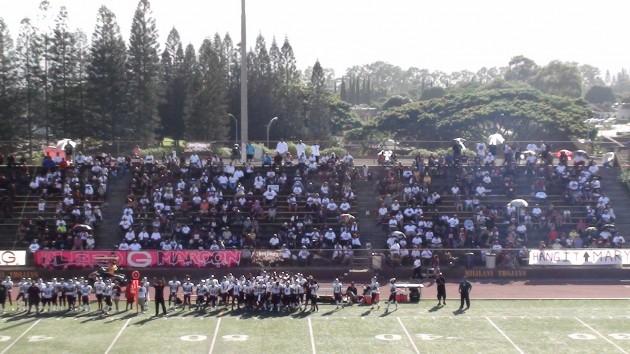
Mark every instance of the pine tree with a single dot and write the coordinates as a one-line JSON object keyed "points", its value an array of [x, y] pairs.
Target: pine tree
{"points": [[342, 89], [10, 110], [63, 61], [142, 73], [29, 54], [106, 79], [319, 112], [208, 118], [261, 103], [171, 107]]}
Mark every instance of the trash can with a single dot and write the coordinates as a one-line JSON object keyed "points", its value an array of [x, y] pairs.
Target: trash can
{"points": [[377, 261], [491, 261], [469, 260]]}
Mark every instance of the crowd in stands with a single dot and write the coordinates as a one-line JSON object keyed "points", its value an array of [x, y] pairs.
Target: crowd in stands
{"points": [[475, 211], [76, 187], [194, 202]]}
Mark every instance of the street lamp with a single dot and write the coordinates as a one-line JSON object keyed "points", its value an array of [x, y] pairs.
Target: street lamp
{"points": [[235, 127], [269, 126]]}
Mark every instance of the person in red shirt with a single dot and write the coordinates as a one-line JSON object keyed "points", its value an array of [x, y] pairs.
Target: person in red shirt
{"points": [[130, 296], [553, 236]]}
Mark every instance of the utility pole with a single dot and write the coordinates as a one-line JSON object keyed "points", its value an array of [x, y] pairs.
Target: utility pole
{"points": [[244, 118]]}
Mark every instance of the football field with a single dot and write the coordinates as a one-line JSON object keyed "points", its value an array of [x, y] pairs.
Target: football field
{"points": [[489, 326]]}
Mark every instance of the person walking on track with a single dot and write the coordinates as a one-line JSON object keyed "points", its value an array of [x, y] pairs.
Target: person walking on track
{"points": [[464, 291]]}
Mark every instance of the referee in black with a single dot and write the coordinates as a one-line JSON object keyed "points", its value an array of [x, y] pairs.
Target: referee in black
{"points": [[441, 289], [464, 291]]}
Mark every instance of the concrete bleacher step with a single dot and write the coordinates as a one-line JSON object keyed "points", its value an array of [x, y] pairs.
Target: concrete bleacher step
{"points": [[109, 233]]}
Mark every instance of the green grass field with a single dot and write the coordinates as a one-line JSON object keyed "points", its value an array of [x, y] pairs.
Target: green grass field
{"points": [[489, 326]]}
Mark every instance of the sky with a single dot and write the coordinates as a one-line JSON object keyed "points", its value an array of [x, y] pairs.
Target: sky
{"points": [[446, 35]]}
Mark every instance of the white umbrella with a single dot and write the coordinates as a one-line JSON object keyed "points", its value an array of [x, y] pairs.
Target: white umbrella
{"points": [[519, 203], [61, 144], [398, 234], [581, 152], [496, 139], [461, 141], [609, 157], [541, 195], [529, 152]]}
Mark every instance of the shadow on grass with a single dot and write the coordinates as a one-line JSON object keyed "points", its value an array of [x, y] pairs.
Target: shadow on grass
{"points": [[435, 308]]}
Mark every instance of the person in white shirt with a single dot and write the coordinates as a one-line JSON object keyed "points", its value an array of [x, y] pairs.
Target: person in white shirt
{"points": [[123, 246], [315, 152], [300, 148], [135, 246], [282, 148]]}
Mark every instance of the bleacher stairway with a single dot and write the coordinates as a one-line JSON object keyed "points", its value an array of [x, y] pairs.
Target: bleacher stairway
{"points": [[619, 198], [109, 234]]}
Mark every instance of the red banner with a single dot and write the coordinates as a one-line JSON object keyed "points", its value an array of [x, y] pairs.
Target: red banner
{"points": [[138, 259]]}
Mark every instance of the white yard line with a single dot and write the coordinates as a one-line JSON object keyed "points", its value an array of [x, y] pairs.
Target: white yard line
{"points": [[214, 337], [408, 335], [20, 337], [505, 335], [310, 332], [601, 335], [118, 336]]}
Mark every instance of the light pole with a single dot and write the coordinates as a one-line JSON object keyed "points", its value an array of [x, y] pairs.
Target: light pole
{"points": [[269, 126], [235, 128]]}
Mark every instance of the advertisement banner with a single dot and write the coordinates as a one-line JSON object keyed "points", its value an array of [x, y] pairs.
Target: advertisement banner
{"points": [[266, 257], [138, 259], [580, 257], [12, 258]]}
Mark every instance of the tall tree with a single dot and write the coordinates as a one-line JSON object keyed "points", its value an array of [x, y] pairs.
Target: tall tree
{"points": [[319, 120], [9, 105], [106, 78], [560, 79], [209, 116], [63, 61], [142, 73], [260, 91], [521, 68], [29, 54], [171, 107]]}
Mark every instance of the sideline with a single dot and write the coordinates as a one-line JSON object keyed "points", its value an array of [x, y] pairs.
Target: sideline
{"points": [[118, 336], [504, 335], [20, 337], [601, 335], [214, 336], [408, 335]]}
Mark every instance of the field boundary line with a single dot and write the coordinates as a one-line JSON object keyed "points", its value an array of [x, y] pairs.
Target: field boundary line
{"points": [[20, 337], [504, 335], [601, 335], [310, 332], [214, 336], [408, 335], [118, 336]]}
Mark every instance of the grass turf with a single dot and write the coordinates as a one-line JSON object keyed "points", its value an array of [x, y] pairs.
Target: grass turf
{"points": [[489, 326]]}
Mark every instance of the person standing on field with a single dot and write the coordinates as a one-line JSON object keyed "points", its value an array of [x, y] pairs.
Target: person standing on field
{"points": [[464, 291], [159, 297], [441, 289]]}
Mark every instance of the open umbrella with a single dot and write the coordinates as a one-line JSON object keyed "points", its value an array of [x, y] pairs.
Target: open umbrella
{"points": [[82, 227], [591, 229], [581, 152], [398, 234], [541, 195], [496, 139], [529, 152], [461, 141], [346, 218], [569, 153], [519, 203], [61, 144]]}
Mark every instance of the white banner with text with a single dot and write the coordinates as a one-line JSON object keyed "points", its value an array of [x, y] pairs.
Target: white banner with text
{"points": [[580, 257], [12, 258]]}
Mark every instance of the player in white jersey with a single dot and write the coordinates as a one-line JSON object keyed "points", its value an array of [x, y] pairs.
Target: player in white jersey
{"points": [[142, 298], [99, 286], [108, 291], [187, 288], [225, 290], [375, 290], [71, 294], [276, 290], [236, 294], [337, 286], [212, 295], [47, 295], [201, 292], [61, 293], [173, 286], [261, 295], [21, 294], [392, 294], [313, 288], [86, 290], [8, 284], [146, 284], [287, 293]]}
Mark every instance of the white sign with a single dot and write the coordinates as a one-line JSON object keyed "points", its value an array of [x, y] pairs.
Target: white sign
{"points": [[578, 257], [195, 146], [12, 258]]}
